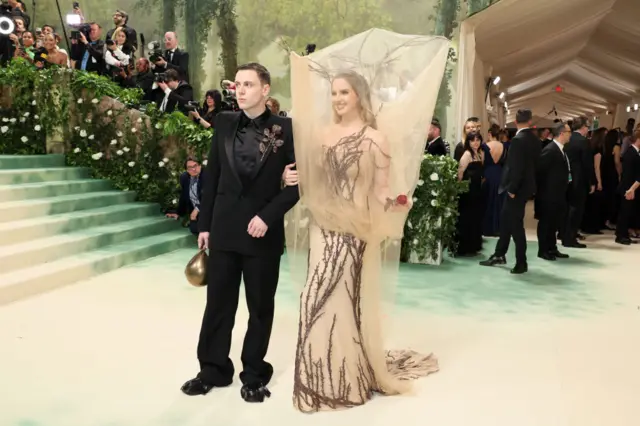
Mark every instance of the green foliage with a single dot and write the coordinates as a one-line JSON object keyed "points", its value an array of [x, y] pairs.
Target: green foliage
{"points": [[432, 219], [137, 152]]}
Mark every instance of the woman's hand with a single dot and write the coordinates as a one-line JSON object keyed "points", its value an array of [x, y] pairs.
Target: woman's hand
{"points": [[401, 203], [290, 176], [195, 115]]}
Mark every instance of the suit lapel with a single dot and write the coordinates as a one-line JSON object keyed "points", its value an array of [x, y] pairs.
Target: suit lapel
{"points": [[229, 139]]}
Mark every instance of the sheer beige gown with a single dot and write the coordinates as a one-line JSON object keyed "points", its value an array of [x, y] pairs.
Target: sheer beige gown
{"points": [[340, 361]]}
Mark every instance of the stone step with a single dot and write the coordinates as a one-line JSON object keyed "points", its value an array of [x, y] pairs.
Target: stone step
{"points": [[29, 191], [31, 161], [17, 210], [41, 227], [31, 253], [51, 174], [20, 284]]}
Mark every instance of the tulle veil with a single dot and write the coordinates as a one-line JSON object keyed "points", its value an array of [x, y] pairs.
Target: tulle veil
{"points": [[404, 73]]}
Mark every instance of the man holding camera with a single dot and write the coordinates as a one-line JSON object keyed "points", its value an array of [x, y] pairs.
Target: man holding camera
{"points": [[173, 92], [173, 58], [88, 54]]}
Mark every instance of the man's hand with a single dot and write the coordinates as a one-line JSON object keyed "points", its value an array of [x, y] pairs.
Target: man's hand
{"points": [[203, 240], [172, 215], [629, 195], [592, 189], [83, 39], [511, 195], [257, 228], [289, 176], [194, 214], [163, 86], [161, 63]]}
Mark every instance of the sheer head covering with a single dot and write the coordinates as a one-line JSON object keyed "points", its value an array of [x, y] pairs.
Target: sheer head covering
{"points": [[351, 183]]}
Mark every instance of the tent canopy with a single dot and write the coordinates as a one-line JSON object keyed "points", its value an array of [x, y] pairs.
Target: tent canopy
{"points": [[589, 48]]}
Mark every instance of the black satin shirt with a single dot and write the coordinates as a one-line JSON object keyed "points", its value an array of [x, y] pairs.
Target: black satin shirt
{"points": [[246, 147]]}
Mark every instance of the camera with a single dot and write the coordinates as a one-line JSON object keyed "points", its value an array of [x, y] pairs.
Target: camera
{"points": [[160, 77], [191, 106], [40, 55], [229, 100], [155, 51]]}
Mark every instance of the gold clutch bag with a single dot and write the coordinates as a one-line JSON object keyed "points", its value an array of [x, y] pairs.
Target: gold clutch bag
{"points": [[196, 270]]}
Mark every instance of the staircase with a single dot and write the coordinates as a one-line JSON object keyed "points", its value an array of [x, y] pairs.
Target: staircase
{"points": [[58, 227]]}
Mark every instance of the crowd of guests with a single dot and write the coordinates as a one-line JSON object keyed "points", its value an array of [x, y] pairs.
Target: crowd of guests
{"points": [[581, 181]]}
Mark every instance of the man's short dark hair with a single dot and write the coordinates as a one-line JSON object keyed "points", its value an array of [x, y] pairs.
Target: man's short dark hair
{"points": [[124, 14], [558, 129], [579, 123], [523, 116], [436, 123], [172, 75], [261, 70], [473, 119], [190, 158]]}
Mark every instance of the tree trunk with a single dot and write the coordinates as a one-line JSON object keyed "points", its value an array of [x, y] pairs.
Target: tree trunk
{"points": [[228, 33], [168, 15], [194, 46]]}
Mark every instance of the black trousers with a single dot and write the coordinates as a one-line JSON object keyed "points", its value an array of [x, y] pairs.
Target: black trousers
{"points": [[577, 202], [549, 219], [512, 226], [625, 217], [225, 270]]}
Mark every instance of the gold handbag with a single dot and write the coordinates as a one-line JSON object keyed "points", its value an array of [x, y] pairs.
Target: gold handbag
{"points": [[196, 270]]}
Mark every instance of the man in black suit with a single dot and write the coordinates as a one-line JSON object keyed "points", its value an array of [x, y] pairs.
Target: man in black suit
{"points": [[583, 180], [628, 188], [89, 54], [173, 94], [173, 58], [519, 183], [436, 145], [553, 177], [191, 183], [242, 223]]}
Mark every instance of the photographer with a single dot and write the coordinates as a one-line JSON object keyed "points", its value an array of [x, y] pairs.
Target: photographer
{"points": [[142, 79], [173, 58], [210, 108], [88, 54], [119, 57], [18, 9], [25, 47], [120, 19], [175, 92]]}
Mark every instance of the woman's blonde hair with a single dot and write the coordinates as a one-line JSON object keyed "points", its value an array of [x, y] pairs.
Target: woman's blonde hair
{"points": [[360, 86], [117, 32]]}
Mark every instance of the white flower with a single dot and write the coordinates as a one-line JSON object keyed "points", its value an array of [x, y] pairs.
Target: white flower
{"points": [[94, 101], [447, 213], [139, 120], [83, 133], [119, 152], [109, 112], [24, 139], [4, 129], [37, 128], [13, 120], [434, 177], [22, 119], [415, 199], [33, 102], [79, 100], [434, 193], [126, 149], [97, 156], [409, 224], [173, 173], [131, 163], [91, 137], [119, 134], [145, 155], [133, 130], [113, 141], [420, 182], [26, 114], [77, 128], [77, 150], [88, 120], [434, 203], [158, 126], [36, 117], [205, 162], [415, 242], [161, 164], [5, 120], [145, 176], [174, 201], [165, 160]]}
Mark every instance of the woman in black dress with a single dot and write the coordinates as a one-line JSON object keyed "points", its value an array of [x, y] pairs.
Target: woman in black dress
{"points": [[593, 219], [471, 203], [611, 170]]}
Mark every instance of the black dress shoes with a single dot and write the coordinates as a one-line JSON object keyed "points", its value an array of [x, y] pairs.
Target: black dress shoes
{"points": [[494, 260], [625, 241], [559, 255], [546, 256], [198, 387], [254, 392], [520, 268], [574, 244]]}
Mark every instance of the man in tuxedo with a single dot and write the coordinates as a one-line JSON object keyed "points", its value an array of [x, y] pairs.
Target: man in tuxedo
{"points": [[519, 183], [435, 144], [628, 188], [174, 58], [173, 93], [553, 177], [242, 223], [583, 174]]}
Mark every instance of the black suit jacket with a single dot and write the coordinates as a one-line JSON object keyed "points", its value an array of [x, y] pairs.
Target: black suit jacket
{"points": [[179, 97], [96, 61], [228, 206], [552, 179], [580, 156], [185, 206], [436, 147], [630, 169], [519, 172], [179, 62]]}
